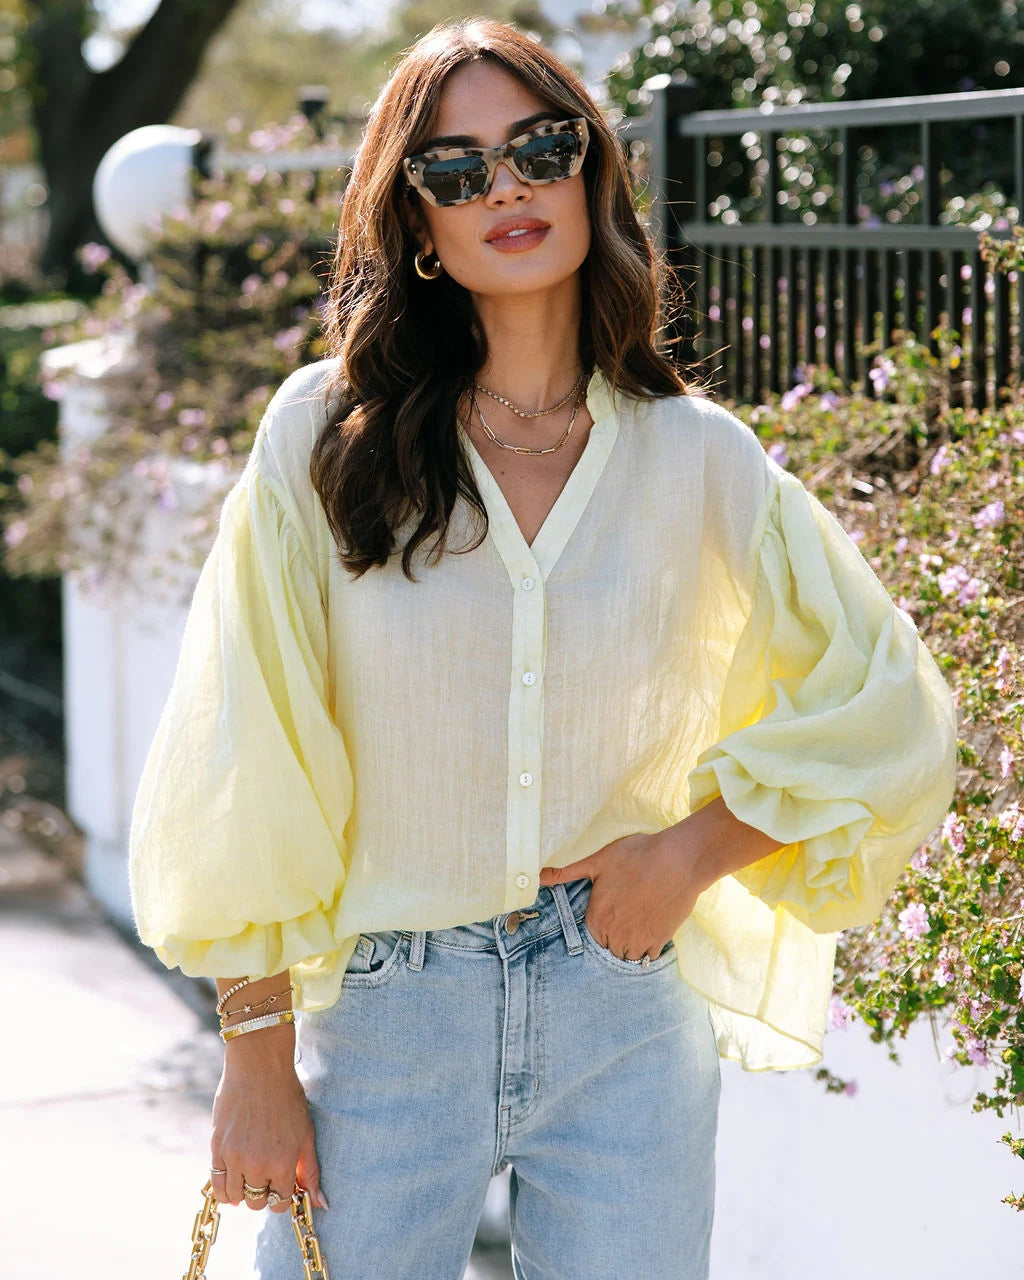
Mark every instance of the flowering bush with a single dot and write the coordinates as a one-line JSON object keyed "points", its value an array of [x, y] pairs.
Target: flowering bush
{"points": [[934, 498], [230, 308]]}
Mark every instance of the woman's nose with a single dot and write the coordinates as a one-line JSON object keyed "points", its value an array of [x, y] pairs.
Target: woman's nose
{"points": [[507, 184]]}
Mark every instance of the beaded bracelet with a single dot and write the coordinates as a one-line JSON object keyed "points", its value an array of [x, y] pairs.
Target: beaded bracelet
{"points": [[258, 1024], [229, 993]]}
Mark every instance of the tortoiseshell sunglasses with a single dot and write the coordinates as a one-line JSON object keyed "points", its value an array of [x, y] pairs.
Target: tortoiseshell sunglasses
{"points": [[456, 175]]}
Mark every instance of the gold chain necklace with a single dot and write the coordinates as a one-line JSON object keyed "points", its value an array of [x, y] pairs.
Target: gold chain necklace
{"points": [[540, 413], [521, 449]]}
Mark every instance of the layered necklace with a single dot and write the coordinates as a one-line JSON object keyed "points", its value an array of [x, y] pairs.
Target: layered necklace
{"points": [[575, 395]]}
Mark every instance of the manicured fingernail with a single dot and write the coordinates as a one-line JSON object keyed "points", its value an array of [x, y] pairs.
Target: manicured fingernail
{"points": [[321, 1201]]}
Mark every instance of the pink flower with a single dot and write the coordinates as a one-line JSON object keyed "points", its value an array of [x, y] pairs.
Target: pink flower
{"points": [[957, 579], [794, 395], [1005, 762], [288, 339], [840, 1015], [989, 516], [952, 579], [977, 1053], [939, 460], [913, 921], [828, 400], [1012, 819], [851, 1089], [163, 401], [250, 284], [218, 215], [920, 859], [900, 545], [1022, 988], [778, 453], [953, 833], [856, 536], [881, 375], [192, 417], [14, 534], [944, 973], [92, 256]]}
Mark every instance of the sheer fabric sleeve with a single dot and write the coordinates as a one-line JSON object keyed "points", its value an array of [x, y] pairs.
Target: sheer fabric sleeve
{"points": [[237, 845], [837, 731]]}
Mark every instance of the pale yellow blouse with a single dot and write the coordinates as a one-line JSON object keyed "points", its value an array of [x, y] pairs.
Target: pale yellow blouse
{"points": [[342, 755]]}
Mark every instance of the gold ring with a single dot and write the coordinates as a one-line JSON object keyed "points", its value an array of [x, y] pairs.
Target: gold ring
{"points": [[218, 1170], [254, 1193]]}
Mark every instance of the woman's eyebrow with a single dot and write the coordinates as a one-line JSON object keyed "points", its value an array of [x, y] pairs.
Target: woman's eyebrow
{"points": [[468, 140]]}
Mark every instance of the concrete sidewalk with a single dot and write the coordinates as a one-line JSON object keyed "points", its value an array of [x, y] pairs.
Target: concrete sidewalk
{"points": [[106, 1080]]}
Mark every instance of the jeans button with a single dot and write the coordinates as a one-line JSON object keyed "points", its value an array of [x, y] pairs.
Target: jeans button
{"points": [[512, 922]]}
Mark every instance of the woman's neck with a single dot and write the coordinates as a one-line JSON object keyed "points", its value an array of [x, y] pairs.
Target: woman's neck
{"points": [[532, 345]]}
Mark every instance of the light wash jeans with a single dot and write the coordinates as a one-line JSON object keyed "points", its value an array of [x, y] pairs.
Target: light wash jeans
{"points": [[453, 1053]]}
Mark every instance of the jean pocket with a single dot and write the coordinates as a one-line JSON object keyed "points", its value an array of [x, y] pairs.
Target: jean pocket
{"points": [[375, 958], [664, 958]]}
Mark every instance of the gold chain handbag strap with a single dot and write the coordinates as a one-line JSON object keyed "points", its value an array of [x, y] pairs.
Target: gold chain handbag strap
{"points": [[204, 1233]]}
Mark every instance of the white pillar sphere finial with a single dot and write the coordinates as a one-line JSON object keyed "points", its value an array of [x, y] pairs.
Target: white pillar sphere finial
{"points": [[146, 173]]}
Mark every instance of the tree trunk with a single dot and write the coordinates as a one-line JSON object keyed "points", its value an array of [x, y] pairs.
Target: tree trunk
{"points": [[79, 113]]}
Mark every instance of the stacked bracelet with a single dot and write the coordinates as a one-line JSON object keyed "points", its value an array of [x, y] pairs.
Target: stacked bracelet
{"points": [[261, 1006], [229, 993], [258, 1024]]}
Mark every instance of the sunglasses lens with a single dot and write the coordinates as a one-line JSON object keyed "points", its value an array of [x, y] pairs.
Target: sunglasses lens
{"points": [[453, 180], [543, 159]]}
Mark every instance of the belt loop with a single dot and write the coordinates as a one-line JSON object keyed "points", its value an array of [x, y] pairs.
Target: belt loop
{"points": [[572, 934], [416, 950]]}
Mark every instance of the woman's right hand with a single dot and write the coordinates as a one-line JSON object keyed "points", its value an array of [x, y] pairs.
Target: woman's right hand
{"points": [[262, 1131]]}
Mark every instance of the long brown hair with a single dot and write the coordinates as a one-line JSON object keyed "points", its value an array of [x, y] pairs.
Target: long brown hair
{"points": [[409, 349]]}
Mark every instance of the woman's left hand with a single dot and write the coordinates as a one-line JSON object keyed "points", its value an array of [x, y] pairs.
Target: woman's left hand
{"points": [[643, 888]]}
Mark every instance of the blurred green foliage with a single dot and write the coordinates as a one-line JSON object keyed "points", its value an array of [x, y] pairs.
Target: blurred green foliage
{"points": [[773, 53]]}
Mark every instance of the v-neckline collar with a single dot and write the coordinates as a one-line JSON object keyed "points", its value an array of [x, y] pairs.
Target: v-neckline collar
{"points": [[541, 556]]}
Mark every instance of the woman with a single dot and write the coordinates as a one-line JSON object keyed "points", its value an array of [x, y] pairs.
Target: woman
{"points": [[532, 732]]}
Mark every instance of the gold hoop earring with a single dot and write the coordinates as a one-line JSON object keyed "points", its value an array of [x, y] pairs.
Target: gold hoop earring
{"points": [[424, 274]]}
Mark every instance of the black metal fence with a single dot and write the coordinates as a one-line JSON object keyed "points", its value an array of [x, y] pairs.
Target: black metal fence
{"points": [[769, 296]]}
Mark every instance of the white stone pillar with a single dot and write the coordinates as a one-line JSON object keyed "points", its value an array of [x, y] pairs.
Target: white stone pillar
{"points": [[121, 637]]}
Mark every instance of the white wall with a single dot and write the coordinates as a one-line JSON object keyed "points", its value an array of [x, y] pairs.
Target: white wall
{"points": [[121, 640]]}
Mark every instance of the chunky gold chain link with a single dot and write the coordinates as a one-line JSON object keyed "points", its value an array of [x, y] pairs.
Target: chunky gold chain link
{"points": [[309, 1245], [204, 1233]]}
